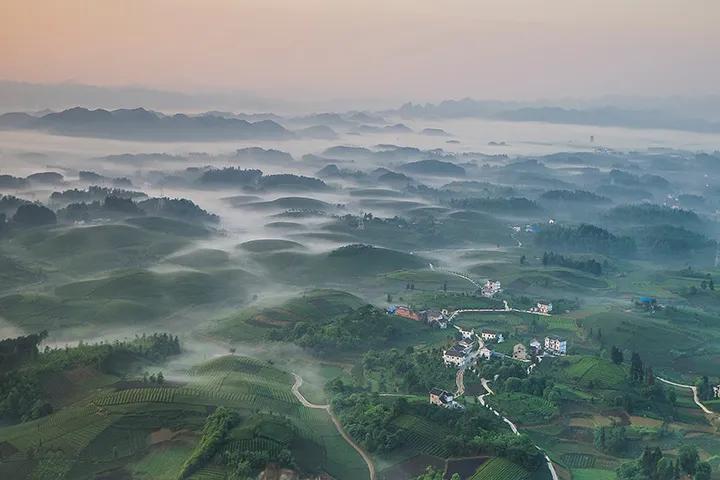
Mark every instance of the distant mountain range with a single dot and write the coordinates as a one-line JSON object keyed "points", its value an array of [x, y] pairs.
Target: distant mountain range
{"points": [[142, 124], [660, 118]]}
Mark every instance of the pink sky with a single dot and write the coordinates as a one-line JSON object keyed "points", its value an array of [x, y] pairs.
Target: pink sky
{"points": [[408, 49]]}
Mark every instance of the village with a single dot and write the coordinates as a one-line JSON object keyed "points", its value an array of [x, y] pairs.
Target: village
{"points": [[472, 347]]}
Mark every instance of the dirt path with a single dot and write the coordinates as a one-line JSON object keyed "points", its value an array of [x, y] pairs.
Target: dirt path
{"points": [[512, 426], [695, 394], [460, 382], [304, 401]]}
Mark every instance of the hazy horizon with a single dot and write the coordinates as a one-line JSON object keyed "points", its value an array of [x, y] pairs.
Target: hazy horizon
{"points": [[397, 51]]}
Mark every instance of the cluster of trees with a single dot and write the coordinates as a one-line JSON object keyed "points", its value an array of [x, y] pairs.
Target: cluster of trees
{"points": [[254, 179], [670, 239], [513, 205], [92, 194], [33, 215], [114, 205], [651, 214], [586, 238], [369, 421], [612, 439], [432, 474], [411, 371], [14, 351], [590, 265], [358, 329], [21, 395], [705, 388], [244, 464], [214, 432], [580, 196], [653, 465]]}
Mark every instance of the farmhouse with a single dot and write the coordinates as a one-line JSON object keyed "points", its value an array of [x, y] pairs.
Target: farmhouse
{"points": [[520, 352], [492, 336], [490, 288], [440, 397], [485, 353], [435, 317], [443, 399], [545, 308], [556, 345], [466, 334], [458, 354], [454, 357]]}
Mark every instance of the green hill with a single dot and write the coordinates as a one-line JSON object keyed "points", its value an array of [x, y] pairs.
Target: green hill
{"points": [[269, 245]]}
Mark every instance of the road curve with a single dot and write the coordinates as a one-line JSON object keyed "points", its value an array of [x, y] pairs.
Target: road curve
{"points": [[512, 426], [306, 403], [694, 391]]}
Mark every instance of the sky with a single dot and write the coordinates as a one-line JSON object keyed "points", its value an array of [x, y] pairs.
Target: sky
{"points": [[400, 49]]}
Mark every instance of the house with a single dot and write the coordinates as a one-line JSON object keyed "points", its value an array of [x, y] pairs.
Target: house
{"points": [[520, 352], [545, 308], [490, 288], [485, 353], [535, 346], [716, 391], [458, 354], [440, 397], [488, 335], [492, 336], [466, 334], [443, 399], [454, 357], [556, 345], [435, 317]]}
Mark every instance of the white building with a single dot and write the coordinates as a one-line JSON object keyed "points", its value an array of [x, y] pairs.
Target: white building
{"points": [[459, 354], [488, 335], [453, 357], [716, 391], [485, 353], [535, 346], [466, 334], [543, 308], [490, 288], [556, 345]]}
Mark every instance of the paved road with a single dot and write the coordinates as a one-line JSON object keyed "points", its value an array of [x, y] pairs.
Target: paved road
{"points": [[304, 401], [695, 394]]}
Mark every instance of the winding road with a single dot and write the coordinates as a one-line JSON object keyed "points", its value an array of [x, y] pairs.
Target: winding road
{"points": [[306, 403], [513, 427], [694, 391]]}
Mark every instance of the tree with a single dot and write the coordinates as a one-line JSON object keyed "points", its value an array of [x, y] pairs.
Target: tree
{"points": [[430, 474], [665, 469], [34, 215], [522, 260], [703, 471], [616, 355], [637, 372], [689, 458]]}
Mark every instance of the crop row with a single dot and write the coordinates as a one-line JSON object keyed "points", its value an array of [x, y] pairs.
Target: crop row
{"points": [[578, 460], [138, 395], [500, 469]]}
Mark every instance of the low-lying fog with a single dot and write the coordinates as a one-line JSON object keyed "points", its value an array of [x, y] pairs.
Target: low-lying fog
{"points": [[23, 153]]}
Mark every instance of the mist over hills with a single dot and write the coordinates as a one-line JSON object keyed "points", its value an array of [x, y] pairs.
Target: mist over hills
{"points": [[142, 124]]}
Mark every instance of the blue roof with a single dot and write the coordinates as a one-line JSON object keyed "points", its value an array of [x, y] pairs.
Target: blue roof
{"points": [[647, 299]]}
